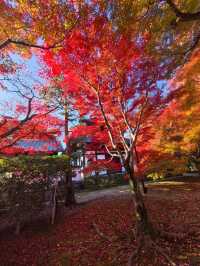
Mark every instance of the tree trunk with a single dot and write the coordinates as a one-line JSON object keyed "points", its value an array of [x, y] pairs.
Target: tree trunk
{"points": [[69, 191], [144, 188], [18, 227], [145, 233], [143, 224], [54, 202]]}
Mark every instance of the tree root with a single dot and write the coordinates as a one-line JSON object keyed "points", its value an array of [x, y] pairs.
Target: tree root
{"points": [[101, 234], [145, 243], [134, 255], [172, 236], [160, 250]]}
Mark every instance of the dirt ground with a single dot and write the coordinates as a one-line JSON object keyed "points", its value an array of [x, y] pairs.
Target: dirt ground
{"points": [[173, 206]]}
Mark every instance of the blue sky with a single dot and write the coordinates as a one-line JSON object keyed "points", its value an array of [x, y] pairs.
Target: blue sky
{"points": [[28, 75]]}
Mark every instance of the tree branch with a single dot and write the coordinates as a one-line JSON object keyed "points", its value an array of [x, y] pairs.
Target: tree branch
{"points": [[184, 16], [110, 152], [101, 234], [23, 121], [27, 118], [139, 120], [26, 44], [32, 45], [124, 114], [16, 140], [102, 111], [194, 44]]}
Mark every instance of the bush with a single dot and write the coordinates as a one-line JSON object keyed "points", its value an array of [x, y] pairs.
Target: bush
{"points": [[105, 181], [25, 183]]}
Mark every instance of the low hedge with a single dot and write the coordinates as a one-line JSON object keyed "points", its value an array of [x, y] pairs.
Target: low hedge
{"points": [[104, 181], [25, 183]]}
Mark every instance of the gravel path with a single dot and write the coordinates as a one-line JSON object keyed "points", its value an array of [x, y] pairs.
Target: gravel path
{"points": [[83, 197], [162, 189]]}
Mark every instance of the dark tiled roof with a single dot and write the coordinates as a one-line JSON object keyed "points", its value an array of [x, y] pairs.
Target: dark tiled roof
{"points": [[40, 145]]}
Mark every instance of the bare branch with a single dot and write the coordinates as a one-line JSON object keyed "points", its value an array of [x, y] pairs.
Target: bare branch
{"points": [[194, 44], [30, 45], [23, 121], [111, 153], [125, 146], [37, 46], [3, 121], [124, 114], [139, 120], [96, 91], [4, 44], [28, 117]]}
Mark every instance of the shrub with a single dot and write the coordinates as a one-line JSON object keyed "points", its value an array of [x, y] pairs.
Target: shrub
{"points": [[25, 184]]}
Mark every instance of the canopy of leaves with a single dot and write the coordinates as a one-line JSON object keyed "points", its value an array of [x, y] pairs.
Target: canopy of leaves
{"points": [[28, 23], [172, 26], [178, 132], [113, 82]]}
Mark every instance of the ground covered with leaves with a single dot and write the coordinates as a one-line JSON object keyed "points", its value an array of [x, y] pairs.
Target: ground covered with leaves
{"points": [[100, 233]]}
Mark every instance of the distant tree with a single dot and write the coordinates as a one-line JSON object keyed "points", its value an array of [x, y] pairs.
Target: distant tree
{"points": [[56, 96], [27, 118], [178, 132]]}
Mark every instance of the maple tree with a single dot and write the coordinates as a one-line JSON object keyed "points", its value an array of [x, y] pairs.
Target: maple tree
{"points": [[23, 23], [113, 83], [28, 117], [178, 129], [26, 25], [102, 68], [172, 25], [167, 156]]}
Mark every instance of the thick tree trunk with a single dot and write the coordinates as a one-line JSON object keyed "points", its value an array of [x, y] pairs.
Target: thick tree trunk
{"points": [[143, 224], [145, 233]]}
